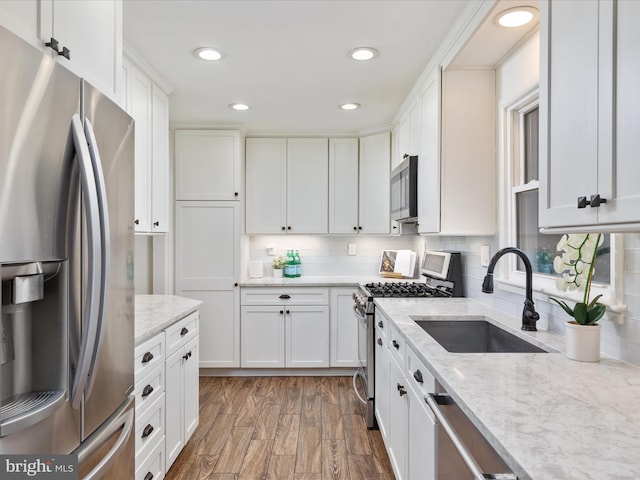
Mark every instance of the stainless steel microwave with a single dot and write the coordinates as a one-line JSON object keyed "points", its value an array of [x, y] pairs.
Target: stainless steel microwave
{"points": [[404, 190]]}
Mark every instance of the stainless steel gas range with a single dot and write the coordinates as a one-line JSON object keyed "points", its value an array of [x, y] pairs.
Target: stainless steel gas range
{"points": [[443, 279]]}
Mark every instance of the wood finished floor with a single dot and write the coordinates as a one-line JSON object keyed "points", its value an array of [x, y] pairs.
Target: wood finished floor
{"points": [[281, 428]]}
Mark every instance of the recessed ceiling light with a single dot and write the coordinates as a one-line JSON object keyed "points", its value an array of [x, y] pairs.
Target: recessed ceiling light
{"points": [[350, 106], [515, 17], [239, 106], [363, 53], [207, 53]]}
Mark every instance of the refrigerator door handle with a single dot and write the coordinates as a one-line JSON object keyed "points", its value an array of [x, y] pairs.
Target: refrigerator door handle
{"points": [[103, 215], [94, 241], [122, 419]]}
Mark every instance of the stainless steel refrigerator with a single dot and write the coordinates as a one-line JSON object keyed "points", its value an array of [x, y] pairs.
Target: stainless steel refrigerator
{"points": [[66, 265]]}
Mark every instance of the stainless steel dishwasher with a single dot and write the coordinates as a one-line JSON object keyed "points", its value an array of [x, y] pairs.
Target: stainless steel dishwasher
{"points": [[462, 451]]}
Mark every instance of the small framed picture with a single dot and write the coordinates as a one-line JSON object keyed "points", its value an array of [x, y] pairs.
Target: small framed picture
{"points": [[388, 261]]}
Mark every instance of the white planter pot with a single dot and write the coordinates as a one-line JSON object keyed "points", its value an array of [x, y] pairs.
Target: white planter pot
{"points": [[277, 273], [582, 342]]}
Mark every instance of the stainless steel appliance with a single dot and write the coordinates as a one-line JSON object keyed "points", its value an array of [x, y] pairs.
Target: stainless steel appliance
{"points": [[404, 190], [66, 266], [443, 279], [461, 450]]}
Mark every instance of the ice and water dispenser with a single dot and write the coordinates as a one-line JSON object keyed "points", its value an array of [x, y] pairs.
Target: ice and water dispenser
{"points": [[34, 369]]}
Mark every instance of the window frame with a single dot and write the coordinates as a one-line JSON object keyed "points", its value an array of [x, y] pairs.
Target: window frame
{"points": [[513, 167]]}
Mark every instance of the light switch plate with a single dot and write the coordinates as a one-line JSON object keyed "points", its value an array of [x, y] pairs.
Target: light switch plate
{"points": [[352, 249], [271, 249], [484, 255]]}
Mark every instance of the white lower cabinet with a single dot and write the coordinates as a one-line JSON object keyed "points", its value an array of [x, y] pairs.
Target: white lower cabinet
{"points": [[166, 396], [343, 329], [406, 423], [181, 385], [284, 328]]}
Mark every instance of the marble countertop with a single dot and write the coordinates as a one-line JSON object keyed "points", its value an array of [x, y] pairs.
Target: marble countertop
{"points": [[549, 417], [154, 313], [321, 281]]}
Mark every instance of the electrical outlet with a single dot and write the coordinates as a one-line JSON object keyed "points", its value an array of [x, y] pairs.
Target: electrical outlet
{"points": [[352, 249], [271, 249]]}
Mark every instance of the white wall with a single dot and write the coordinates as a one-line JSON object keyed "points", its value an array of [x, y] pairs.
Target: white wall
{"points": [[517, 76], [327, 255]]}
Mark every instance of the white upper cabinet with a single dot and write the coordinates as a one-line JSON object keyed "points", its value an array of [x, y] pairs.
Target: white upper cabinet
{"points": [[589, 104], [307, 185], [91, 32], [409, 132], [374, 195], [266, 185], [343, 185], [207, 164], [287, 187], [456, 164], [148, 104]]}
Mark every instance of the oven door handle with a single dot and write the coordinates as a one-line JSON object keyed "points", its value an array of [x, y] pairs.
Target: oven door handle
{"points": [[357, 375], [356, 312], [468, 459]]}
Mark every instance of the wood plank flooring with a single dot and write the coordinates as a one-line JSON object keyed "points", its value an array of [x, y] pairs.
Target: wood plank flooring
{"points": [[281, 428]]}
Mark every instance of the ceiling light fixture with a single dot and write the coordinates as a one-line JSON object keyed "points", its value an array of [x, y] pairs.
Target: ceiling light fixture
{"points": [[208, 53], [241, 107], [363, 53], [515, 17], [350, 106]]}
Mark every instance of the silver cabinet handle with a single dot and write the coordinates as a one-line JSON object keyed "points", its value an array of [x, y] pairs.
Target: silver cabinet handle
{"points": [[477, 473]]}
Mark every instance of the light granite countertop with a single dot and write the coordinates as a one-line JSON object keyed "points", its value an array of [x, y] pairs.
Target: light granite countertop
{"points": [[549, 417], [154, 313]]}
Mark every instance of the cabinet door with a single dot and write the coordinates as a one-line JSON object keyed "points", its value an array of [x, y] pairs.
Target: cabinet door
{"points": [[262, 333], [174, 398], [382, 385], [344, 329], [415, 128], [422, 436], [266, 185], [307, 185], [429, 160], [374, 202], [141, 110], [21, 18], [207, 269], [191, 387], [343, 185], [568, 111], [398, 421], [624, 169], [207, 164], [307, 337], [404, 136], [92, 31], [160, 161]]}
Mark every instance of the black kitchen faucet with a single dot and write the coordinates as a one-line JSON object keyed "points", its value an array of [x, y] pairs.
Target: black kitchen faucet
{"points": [[529, 314]]}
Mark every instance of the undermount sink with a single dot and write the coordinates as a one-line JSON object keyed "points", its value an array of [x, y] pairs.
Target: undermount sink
{"points": [[475, 336]]}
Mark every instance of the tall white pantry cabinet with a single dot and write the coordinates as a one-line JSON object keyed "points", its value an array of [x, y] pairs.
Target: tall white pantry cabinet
{"points": [[208, 230]]}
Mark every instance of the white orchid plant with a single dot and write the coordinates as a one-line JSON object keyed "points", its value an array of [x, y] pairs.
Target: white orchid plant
{"points": [[576, 266]]}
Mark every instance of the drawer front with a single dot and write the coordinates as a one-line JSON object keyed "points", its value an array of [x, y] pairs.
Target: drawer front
{"points": [[419, 377], [148, 389], [150, 428], [181, 332], [397, 346], [284, 296], [152, 467], [148, 356], [382, 325]]}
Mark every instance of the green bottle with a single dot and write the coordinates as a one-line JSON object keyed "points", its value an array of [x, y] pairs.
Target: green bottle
{"points": [[289, 269], [297, 264]]}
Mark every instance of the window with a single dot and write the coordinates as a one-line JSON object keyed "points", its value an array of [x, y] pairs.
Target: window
{"points": [[522, 168]]}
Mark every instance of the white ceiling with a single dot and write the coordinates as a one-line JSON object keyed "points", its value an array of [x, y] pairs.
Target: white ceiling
{"points": [[288, 59]]}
